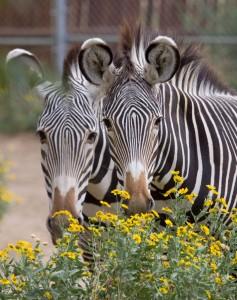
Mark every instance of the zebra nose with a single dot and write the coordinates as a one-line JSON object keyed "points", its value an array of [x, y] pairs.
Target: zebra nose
{"points": [[49, 224], [151, 203], [139, 203], [56, 226]]}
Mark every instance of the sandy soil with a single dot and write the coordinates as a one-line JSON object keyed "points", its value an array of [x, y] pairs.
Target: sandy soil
{"points": [[29, 216]]}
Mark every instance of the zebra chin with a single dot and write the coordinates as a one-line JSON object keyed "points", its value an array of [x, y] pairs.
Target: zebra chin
{"points": [[139, 204]]}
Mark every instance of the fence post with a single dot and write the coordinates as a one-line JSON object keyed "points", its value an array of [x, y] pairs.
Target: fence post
{"points": [[60, 32]]}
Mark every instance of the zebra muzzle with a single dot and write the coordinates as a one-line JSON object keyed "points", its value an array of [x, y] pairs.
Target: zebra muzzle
{"points": [[139, 204], [141, 200]]}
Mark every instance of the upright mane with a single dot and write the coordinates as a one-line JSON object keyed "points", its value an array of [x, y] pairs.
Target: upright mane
{"points": [[131, 53]]}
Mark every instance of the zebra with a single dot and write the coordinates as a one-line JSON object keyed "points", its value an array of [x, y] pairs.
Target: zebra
{"points": [[75, 159], [164, 109]]}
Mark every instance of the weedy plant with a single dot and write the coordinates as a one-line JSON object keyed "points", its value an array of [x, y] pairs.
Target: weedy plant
{"points": [[134, 257], [6, 196]]}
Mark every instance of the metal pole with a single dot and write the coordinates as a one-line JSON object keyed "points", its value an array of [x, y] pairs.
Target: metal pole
{"points": [[60, 32]]}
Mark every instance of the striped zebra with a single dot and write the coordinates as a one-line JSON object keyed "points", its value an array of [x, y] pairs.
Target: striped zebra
{"points": [[164, 110], [74, 149]]}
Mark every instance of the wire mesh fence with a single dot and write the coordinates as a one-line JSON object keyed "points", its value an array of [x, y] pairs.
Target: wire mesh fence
{"points": [[34, 23], [49, 27]]}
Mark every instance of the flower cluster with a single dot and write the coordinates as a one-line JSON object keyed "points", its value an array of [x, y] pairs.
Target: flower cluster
{"points": [[133, 255]]}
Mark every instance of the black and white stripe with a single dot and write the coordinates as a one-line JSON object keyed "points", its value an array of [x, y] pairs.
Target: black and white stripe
{"points": [[74, 145], [187, 123]]}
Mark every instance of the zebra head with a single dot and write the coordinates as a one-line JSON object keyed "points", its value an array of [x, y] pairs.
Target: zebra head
{"points": [[68, 131], [132, 105]]}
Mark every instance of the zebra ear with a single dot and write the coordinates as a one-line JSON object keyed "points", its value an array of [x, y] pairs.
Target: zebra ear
{"points": [[163, 60], [24, 67], [94, 60]]}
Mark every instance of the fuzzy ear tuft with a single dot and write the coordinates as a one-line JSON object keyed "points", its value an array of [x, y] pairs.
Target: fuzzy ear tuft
{"points": [[163, 60], [94, 59]]}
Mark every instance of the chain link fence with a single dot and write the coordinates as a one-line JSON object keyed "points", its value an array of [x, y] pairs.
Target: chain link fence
{"points": [[49, 27], [36, 24]]}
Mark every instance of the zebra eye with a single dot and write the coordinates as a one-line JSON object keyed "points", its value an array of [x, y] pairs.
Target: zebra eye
{"points": [[157, 121], [42, 136], [91, 137], [107, 123]]}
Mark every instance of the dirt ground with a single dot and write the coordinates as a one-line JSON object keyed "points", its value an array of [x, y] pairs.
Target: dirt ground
{"points": [[29, 215]]}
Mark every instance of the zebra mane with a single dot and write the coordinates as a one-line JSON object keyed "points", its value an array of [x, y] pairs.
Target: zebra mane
{"points": [[71, 71], [131, 53]]}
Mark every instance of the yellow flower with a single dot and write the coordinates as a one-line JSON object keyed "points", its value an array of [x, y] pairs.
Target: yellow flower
{"points": [[218, 280], [174, 172], [137, 238], [205, 229], [6, 195], [183, 191], [190, 197], [213, 266], [211, 187], [4, 254], [112, 254], [167, 210], [234, 218], [155, 213], [181, 231], [62, 213], [124, 206], [170, 191], [104, 203], [222, 201], [69, 254], [76, 228], [234, 260], [164, 280], [94, 230], [185, 263], [164, 290], [208, 293], [165, 264], [86, 274], [215, 249], [213, 210], [48, 295], [123, 194], [154, 237], [169, 223], [208, 202], [105, 217], [178, 179], [190, 250], [4, 281], [224, 211]]}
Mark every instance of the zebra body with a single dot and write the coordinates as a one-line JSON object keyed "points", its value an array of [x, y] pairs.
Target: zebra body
{"points": [[166, 110], [75, 157]]}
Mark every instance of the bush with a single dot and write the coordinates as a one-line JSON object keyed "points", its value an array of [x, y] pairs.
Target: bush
{"points": [[134, 257], [20, 108]]}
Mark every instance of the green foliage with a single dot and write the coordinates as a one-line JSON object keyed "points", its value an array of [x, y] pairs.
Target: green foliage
{"points": [[20, 108], [5, 195], [134, 257]]}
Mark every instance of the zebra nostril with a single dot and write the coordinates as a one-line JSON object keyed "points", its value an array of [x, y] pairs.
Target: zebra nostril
{"points": [[150, 203], [49, 223]]}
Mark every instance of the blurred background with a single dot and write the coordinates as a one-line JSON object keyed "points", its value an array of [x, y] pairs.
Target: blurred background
{"points": [[48, 28]]}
